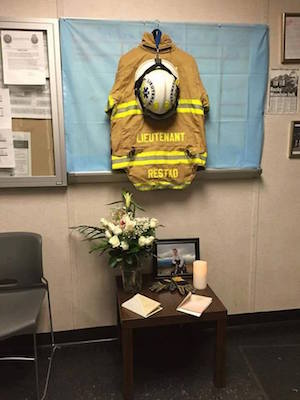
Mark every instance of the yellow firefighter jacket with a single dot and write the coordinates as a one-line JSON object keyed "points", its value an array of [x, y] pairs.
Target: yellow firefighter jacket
{"points": [[164, 153]]}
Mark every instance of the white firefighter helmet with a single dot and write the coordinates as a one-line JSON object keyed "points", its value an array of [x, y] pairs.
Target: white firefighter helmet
{"points": [[156, 88]]}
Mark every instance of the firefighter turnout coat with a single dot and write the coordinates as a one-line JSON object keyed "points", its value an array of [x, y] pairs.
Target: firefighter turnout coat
{"points": [[164, 153]]}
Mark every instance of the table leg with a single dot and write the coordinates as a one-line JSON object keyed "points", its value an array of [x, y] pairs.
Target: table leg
{"points": [[127, 349], [119, 327], [220, 353]]}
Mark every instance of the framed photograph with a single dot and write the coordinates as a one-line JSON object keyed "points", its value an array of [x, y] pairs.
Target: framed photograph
{"points": [[294, 142], [175, 257], [290, 38]]}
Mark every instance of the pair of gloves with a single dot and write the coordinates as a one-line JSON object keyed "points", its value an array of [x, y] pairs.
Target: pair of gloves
{"points": [[172, 284]]}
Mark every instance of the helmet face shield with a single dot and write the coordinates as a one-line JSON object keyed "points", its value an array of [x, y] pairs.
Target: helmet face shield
{"points": [[156, 88]]}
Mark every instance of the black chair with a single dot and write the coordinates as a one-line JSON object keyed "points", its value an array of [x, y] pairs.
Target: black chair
{"points": [[22, 290]]}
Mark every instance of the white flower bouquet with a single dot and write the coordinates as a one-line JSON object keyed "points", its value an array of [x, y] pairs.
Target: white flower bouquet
{"points": [[125, 236]]}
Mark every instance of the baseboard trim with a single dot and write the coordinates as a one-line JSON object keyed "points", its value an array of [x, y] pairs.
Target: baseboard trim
{"points": [[111, 332], [263, 317], [81, 335]]}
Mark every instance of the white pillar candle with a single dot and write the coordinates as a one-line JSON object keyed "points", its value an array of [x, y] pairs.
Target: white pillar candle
{"points": [[199, 274]]}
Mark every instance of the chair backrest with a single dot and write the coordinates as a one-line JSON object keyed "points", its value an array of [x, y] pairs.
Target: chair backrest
{"points": [[20, 259]]}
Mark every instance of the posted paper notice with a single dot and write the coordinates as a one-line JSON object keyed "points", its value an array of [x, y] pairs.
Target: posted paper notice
{"points": [[23, 57], [22, 148], [7, 154], [283, 91], [31, 101], [5, 110]]}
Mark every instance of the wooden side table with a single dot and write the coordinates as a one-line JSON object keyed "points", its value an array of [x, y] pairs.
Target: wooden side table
{"points": [[168, 316]]}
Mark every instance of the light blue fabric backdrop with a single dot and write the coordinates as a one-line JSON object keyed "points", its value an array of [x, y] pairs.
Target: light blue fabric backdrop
{"points": [[233, 65]]}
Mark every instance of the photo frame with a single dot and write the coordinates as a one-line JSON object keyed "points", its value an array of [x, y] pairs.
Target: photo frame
{"points": [[294, 140], [290, 38], [174, 257]]}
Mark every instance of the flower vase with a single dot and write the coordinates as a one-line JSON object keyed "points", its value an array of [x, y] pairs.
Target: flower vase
{"points": [[131, 277]]}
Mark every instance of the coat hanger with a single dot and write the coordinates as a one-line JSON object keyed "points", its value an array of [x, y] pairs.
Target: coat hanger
{"points": [[157, 33]]}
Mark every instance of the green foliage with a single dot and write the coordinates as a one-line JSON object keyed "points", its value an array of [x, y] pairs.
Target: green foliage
{"points": [[126, 237], [129, 204]]}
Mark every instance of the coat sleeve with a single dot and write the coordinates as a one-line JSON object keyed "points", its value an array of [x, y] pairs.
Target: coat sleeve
{"points": [[201, 90], [114, 94]]}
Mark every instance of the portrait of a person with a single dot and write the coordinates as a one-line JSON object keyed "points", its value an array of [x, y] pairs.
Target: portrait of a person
{"points": [[178, 263], [175, 257]]}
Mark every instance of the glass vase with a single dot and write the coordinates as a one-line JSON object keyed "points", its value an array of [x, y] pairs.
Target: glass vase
{"points": [[132, 277]]}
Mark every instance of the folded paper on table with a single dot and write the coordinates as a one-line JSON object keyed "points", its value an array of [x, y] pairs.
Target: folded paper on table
{"points": [[194, 304], [142, 305]]}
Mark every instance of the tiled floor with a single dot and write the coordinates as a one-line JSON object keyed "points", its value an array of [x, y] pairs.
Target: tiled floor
{"points": [[263, 363]]}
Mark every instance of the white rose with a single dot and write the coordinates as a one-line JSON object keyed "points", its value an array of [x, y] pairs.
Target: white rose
{"points": [[108, 234], [141, 220], [104, 221], [129, 224], [153, 223], [146, 226], [117, 230], [111, 226], [114, 241], [124, 245], [142, 241], [149, 240]]}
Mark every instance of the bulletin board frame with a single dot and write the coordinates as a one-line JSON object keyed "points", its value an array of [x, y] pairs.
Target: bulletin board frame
{"points": [[59, 177]]}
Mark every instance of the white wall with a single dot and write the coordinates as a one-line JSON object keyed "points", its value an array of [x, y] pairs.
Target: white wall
{"points": [[248, 229]]}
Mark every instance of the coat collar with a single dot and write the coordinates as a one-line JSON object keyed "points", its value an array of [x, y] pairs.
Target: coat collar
{"points": [[148, 42]]}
